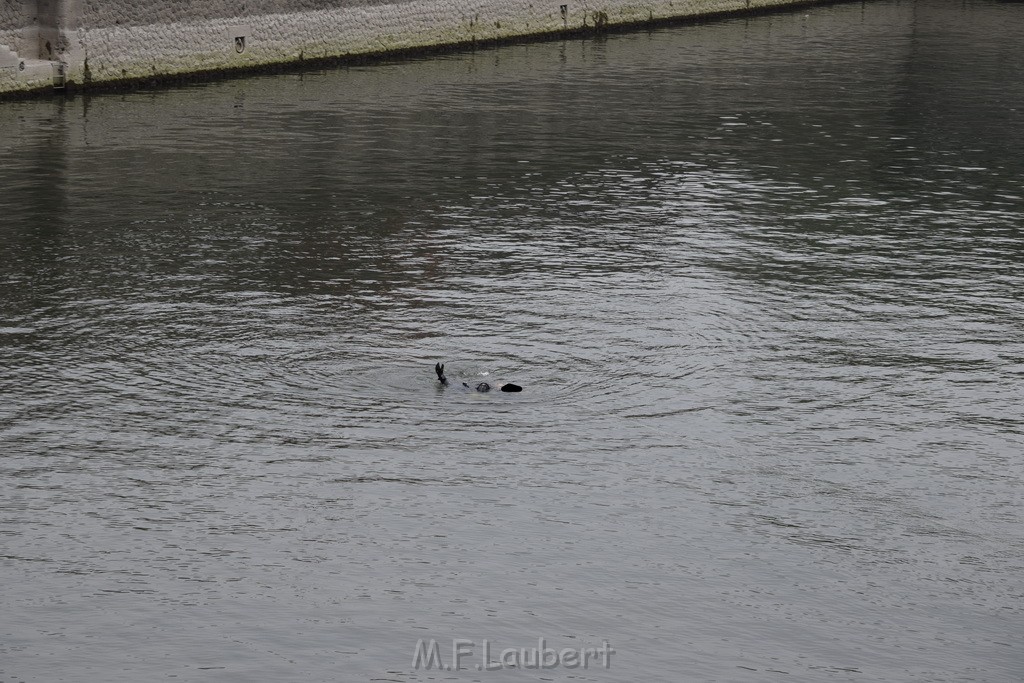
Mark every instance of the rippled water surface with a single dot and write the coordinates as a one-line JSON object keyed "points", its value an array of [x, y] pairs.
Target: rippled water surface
{"points": [[760, 278]]}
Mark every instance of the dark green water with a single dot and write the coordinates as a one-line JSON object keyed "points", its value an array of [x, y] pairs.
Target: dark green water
{"points": [[760, 278]]}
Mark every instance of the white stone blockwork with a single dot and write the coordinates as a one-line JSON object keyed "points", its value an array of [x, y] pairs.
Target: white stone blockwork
{"points": [[95, 46]]}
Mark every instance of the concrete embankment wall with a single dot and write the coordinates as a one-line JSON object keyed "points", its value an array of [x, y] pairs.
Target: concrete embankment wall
{"points": [[83, 42]]}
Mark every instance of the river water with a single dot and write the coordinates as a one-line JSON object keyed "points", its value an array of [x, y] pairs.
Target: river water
{"points": [[760, 279]]}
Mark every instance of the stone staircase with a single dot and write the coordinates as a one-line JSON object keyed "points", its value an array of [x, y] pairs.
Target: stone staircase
{"points": [[8, 57], [33, 73]]}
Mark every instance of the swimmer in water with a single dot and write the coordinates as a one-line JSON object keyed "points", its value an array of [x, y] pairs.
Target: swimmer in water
{"points": [[482, 386]]}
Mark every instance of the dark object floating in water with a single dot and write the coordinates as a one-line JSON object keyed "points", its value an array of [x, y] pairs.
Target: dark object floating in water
{"points": [[483, 386]]}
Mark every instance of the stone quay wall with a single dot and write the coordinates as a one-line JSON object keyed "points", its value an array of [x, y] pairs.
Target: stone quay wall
{"points": [[49, 43]]}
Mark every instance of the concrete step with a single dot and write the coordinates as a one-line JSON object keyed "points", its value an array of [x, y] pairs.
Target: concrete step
{"points": [[8, 57], [35, 71], [40, 70]]}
